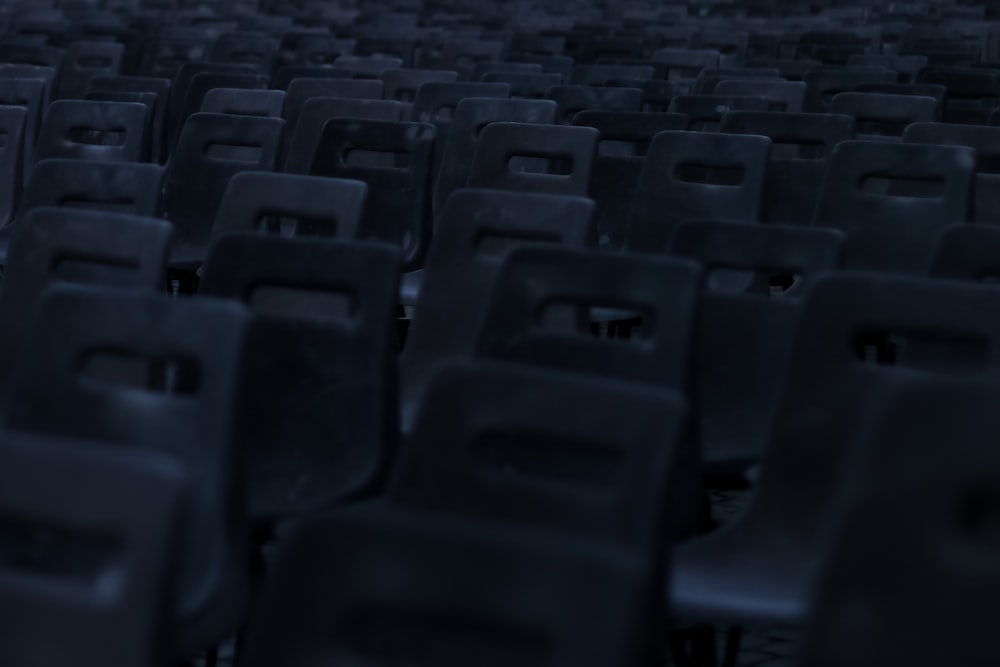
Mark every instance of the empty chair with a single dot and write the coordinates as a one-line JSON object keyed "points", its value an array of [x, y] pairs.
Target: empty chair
{"points": [[436, 103], [801, 145], [402, 85], [972, 93], [711, 77], [291, 205], [936, 91], [286, 75], [125, 369], [163, 57], [28, 94], [202, 83], [791, 70], [394, 160], [738, 370], [318, 111], [824, 84], [89, 130], [786, 96], [567, 154], [478, 227], [367, 67], [52, 245], [705, 112], [381, 586], [392, 47], [303, 89], [178, 104], [574, 99], [483, 68], [462, 55], [212, 148], [599, 75], [321, 51], [84, 61], [477, 407], [108, 516], [158, 113], [686, 63], [621, 151], [244, 102], [880, 116], [112, 187], [910, 523], [986, 142], [892, 200], [471, 116], [318, 411], [859, 336], [696, 176], [551, 64]]}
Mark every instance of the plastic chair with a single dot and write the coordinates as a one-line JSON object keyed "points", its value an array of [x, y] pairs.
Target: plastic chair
{"points": [[461, 55], [258, 201], [621, 152], [177, 104], [686, 63], [492, 443], [892, 200], [12, 126], [124, 369], [163, 57], [158, 112], [477, 229], [906, 67], [88, 130], [482, 68], [321, 51], [967, 252], [28, 94], [696, 176], [255, 49], [824, 84], [398, 210], [286, 75], [986, 142], [306, 455], [84, 61], [705, 112], [202, 83], [883, 117], [471, 116], [738, 366], [212, 149], [318, 111], [784, 96], [392, 47], [759, 571], [801, 145], [402, 85], [436, 103], [911, 546], [106, 565], [599, 75], [378, 587], [367, 67], [551, 64], [972, 93], [302, 89]]}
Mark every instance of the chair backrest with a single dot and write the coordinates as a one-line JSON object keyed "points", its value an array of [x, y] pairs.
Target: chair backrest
{"points": [[551, 64], [986, 142], [211, 150], [402, 85], [291, 205], [493, 442], [599, 75], [972, 93], [182, 83], [801, 145], [392, 47], [117, 367], [823, 84], [545, 300], [436, 103], [906, 67], [696, 176], [477, 229], [90, 130], [686, 63], [84, 61], [574, 99], [28, 94], [739, 355], [158, 113], [52, 245], [860, 335], [892, 200], [113, 187], [367, 67], [912, 546], [378, 587], [705, 112], [969, 253], [472, 115], [244, 102], [323, 323], [398, 175], [933, 90], [624, 141], [528, 86], [318, 111], [566, 154], [881, 116], [305, 88], [111, 520], [320, 51], [202, 83], [284, 77], [255, 49], [163, 57]]}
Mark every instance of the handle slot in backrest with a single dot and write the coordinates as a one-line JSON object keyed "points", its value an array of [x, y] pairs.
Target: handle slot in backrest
{"points": [[922, 351], [303, 303], [525, 162], [789, 148], [126, 206], [52, 551], [562, 314], [93, 270], [377, 157], [892, 185], [89, 136], [232, 152], [494, 244], [127, 370], [763, 282], [93, 62], [703, 173]]}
